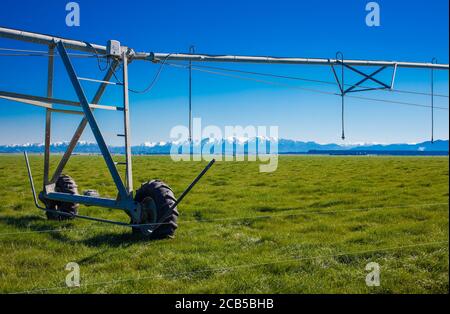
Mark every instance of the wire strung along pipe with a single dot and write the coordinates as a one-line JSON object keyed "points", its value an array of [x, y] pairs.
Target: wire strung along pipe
{"points": [[49, 40], [158, 57]]}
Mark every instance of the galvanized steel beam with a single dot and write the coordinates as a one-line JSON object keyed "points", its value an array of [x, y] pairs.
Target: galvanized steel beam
{"points": [[158, 56]]}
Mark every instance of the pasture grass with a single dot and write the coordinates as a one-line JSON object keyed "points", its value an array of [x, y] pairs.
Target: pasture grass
{"points": [[312, 226]]}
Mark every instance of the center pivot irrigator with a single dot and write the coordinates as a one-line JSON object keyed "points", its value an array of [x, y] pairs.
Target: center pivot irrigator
{"points": [[153, 207]]}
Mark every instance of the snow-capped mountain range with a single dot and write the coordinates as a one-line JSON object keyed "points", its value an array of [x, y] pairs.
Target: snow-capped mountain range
{"points": [[232, 145]]}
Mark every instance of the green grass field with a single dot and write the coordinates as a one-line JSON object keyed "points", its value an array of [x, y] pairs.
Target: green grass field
{"points": [[310, 227]]}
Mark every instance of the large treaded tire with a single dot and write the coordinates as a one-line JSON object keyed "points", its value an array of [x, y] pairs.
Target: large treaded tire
{"points": [[163, 198], [64, 184]]}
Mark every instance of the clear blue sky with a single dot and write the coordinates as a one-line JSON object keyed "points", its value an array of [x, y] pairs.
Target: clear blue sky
{"points": [[409, 31]]}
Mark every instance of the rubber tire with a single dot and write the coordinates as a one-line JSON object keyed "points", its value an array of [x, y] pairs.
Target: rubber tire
{"points": [[164, 198], [64, 184]]}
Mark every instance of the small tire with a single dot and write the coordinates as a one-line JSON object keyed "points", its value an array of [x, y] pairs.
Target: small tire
{"points": [[163, 198], [64, 184]]}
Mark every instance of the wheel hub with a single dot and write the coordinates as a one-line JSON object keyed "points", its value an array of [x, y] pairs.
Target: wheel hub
{"points": [[148, 215]]}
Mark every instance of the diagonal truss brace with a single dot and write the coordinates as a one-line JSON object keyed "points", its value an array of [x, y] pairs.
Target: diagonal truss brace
{"points": [[80, 129], [123, 193], [366, 77], [357, 87]]}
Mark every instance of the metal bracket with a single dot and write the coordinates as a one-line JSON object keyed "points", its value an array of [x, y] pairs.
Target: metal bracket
{"points": [[394, 73]]}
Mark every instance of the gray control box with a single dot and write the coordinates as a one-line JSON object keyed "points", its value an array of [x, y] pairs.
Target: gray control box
{"points": [[113, 48]]}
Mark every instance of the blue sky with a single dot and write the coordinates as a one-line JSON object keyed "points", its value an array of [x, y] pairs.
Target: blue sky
{"points": [[409, 31]]}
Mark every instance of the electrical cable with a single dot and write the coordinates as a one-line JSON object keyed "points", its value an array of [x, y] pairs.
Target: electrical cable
{"points": [[37, 53], [41, 53], [155, 79], [152, 83], [304, 88], [310, 80], [98, 59]]}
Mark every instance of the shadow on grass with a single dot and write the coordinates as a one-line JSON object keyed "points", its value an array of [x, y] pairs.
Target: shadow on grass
{"points": [[38, 224], [33, 223], [117, 240], [93, 258], [20, 222], [272, 209]]}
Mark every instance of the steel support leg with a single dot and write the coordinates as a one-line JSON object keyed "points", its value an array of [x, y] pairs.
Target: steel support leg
{"points": [[126, 123], [123, 194], [48, 115]]}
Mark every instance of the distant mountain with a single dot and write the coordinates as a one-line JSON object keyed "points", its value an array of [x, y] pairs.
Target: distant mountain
{"points": [[439, 145], [291, 146], [233, 145]]}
